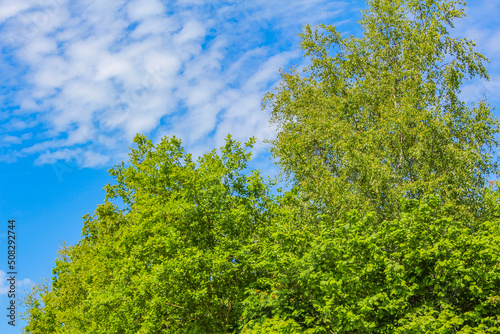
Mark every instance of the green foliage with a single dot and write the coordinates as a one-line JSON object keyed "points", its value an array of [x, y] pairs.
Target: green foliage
{"points": [[174, 260], [298, 272], [379, 117], [273, 325], [422, 273]]}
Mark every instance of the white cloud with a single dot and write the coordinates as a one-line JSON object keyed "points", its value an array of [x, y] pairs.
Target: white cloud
{"points": [[8, 140], [5, 285], [142, 9], [48, 157], [94, 159], [192, 30], [12, 8]]}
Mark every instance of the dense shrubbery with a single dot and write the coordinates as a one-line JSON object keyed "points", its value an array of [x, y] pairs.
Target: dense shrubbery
{"points": [[390, 226]]}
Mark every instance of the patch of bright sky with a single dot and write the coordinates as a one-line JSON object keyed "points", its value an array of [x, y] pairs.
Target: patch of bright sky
{"points": [[80, 78]]}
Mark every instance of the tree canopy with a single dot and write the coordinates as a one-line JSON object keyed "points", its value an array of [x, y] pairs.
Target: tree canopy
{"points": [[202, 247], [390, 226], [379, 117], [174, 260]]}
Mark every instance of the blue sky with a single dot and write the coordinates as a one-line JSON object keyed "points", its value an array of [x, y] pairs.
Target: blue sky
{"points": [[80, 78]]}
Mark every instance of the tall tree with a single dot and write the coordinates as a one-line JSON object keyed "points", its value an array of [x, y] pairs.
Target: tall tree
{"points": [[379, 117]]}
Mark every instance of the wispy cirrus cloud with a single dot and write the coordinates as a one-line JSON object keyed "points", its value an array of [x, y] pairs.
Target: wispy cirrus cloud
{"points": [[91, 74]]}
